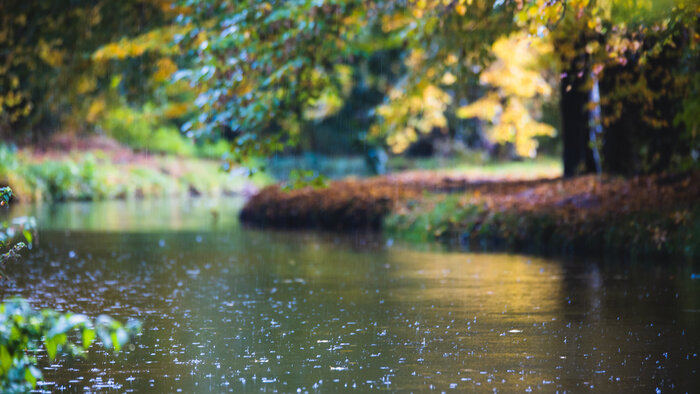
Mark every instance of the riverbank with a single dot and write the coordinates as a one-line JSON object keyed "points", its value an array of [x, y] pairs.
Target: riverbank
{"points": [[352, 203], [98, 168], [586, 215]]}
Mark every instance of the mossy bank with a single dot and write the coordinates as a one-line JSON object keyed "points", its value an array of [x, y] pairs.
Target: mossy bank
{"points": [[650, 215]]}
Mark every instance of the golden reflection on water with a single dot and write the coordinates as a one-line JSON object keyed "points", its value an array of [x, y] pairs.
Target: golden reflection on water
{"points": [[499, 307], [517, 286]]}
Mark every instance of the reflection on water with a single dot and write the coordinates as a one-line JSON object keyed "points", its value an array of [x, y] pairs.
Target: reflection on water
{"points": [[230, 309]]}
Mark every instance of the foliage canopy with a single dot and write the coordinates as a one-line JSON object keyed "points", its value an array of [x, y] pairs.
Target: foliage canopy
{"points": [[262, 73]]}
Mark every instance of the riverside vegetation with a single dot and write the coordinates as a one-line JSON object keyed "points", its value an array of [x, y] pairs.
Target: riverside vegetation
{"points": [[112, 171], [655, 214]]}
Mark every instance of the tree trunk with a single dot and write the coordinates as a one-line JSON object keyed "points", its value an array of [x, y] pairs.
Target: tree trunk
{"points": [[640, 134], [622, 124], [575, 117]]}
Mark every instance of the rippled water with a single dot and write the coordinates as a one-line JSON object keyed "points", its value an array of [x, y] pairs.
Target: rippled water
{"points": [[231, 309]]}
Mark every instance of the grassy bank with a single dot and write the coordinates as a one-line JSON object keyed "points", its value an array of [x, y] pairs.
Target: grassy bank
{"points": [[586, 215], [350, 204], [476, 166], [96, 174], [473, 164]]}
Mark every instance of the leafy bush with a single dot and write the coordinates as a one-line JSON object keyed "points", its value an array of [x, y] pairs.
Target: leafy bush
{"points": [[213, 150], [128, 126], [169, 140], [23, 331], [147, 130], [67, 179], [144, 130]]}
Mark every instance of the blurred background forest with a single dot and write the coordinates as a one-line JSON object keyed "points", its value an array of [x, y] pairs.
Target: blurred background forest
{"points": [[606, 85]]}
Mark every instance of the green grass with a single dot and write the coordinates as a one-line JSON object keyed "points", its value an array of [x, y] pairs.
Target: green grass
{"points": [[470, 165], [475, 166], [88, 176], [449, 219]]}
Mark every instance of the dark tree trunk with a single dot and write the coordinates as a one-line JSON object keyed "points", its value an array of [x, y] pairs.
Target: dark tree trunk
{"points": [[575, 117], [622, 124], [640, 135]]}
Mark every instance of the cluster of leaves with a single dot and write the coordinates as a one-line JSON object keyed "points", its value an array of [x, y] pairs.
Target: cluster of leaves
{"points": [[24, 331], [47, 73], [517, 82], [266, 68], [24, 226], [263, 72], [5, 196], [12, 255], [446, 45]]}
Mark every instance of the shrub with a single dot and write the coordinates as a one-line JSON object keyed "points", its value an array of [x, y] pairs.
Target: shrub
{"points": [[24, 330], [169, 140], [144, 130]]}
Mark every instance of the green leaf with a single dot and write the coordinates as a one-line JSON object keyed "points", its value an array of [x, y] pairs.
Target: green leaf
{"points": [[60, 339], [115, 342], [88, 337], [5, 195], [27, 235], [50, 347], [29, 377], [15, 334], [52, 344], [5, 359]]}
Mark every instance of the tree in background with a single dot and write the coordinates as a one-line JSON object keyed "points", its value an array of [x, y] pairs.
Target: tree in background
{"points": [[265, 73], [518, 86], [267, 68], [445, 47], [49, 79], [641, 54]]}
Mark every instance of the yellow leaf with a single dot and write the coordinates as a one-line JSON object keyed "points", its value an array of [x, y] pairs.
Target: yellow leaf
{"points": [[485, 108], [164, 69], [448, 78], [96, 108]]}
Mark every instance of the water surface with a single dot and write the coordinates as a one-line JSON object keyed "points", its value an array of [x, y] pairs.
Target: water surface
{"points": [[226, 308]]}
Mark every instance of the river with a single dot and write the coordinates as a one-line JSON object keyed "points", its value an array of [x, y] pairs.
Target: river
{"points": [[225, 308]]}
